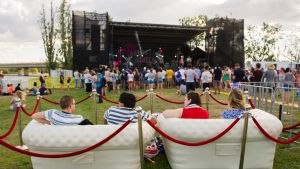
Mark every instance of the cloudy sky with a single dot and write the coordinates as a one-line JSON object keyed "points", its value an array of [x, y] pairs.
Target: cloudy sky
{"points": [[20, 39]]}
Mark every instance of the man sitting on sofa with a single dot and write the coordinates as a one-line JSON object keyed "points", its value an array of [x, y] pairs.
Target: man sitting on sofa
{"points": [[64, 116], [125, 111]]}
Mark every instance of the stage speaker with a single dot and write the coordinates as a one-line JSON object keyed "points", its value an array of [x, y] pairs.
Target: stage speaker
{"points": [[95, 37]]}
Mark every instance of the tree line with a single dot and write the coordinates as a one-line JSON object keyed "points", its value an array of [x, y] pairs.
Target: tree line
{"points": [[57, 35]]}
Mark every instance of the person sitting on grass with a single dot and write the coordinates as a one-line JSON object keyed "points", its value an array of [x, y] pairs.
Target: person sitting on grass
{"points": [[182, 88], [236, 105], [192, 109], [64, 116], [125, 111]]}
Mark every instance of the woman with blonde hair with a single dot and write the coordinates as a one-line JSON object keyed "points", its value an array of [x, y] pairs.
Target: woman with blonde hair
{"points": [[236, 105]]}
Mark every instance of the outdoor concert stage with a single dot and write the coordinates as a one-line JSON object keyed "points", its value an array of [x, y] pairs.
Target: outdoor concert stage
{"points": [[98, 40]]}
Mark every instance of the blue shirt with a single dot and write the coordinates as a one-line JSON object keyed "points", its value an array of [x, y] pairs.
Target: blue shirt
{"points": [[99, 80], [232, 113]]}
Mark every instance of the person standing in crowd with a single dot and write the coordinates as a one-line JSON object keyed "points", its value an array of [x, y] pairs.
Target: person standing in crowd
{"points": [[206, 78], [238, 75], [114, 77], [297, 77], [159, 77], [1, 83], [270, 77], [190, 78], [217, 76], [136, 78], [99, 86], [76, 77], [289, 79], [88, 81], [281, 76], [150, 79], [143, 78], [61, 80], [130, 80], [68, 83], [169, 74], [198, 75], [42, 78], [64, 116], [258, 73], [81, 74], [227, 78], [178, 78]]}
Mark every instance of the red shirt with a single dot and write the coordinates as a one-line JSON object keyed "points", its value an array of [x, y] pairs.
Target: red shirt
{"points": [[194, 112]]}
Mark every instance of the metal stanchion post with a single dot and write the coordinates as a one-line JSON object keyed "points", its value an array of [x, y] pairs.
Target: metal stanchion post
{"points": [[21, 146], [244, 141], [141, 142], [38, 96], [247, 96], [207, 97], [151, 100], [95, 106]]}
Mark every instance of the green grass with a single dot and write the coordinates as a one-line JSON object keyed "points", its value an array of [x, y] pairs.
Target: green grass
{"points": [[287, 157]]}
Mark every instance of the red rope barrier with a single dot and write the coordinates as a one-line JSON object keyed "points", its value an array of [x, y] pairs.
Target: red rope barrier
{"points": [[193, 143], [289, 141], [141, 98], [217, 100], [50, 101], [34, 109], [12, 125], [164, 99], [83, 100], [66, 154], [110, 101], [251, 103], [291, 127]]}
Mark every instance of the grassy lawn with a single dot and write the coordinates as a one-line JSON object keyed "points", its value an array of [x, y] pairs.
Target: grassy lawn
{"points": [[287, 157]]}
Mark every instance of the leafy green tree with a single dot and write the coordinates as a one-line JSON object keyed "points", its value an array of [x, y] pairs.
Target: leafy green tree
{"points": [[260, 42], [65, 33], [201, 21], [49, 36]]}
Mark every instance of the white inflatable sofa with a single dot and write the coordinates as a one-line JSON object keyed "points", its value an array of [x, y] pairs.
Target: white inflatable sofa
{"points": [[121, 152], [223, 153]]}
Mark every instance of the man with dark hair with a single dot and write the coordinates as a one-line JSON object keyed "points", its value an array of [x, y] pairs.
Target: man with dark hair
{"points": [[257, 73], [238, 74], [63, 117], [125, 111]]}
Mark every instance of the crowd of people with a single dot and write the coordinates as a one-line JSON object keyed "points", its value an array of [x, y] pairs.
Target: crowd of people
{"points": [[105, 79]]}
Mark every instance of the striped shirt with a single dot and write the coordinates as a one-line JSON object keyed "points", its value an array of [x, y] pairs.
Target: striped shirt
{"points": [[56, 117], [119, 115]]}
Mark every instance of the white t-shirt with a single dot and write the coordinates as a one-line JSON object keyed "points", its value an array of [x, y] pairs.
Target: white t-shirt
{"points": [[182, 72], [130, 77], [206, 77], [76, 75]]}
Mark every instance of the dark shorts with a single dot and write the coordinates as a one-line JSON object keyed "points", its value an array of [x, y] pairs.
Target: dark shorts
{"points": [[216, 82], [287, 87]]}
